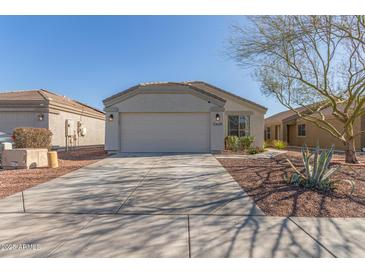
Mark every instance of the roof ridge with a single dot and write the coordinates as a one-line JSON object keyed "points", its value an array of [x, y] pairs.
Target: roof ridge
{"points": [[58, 99], [88, 106], [40, 91], [15, 91], [55, 94], [195, 81], [70, 99]]}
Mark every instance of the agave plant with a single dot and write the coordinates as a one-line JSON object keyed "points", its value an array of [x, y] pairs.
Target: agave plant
{"points": [[317, 171]]}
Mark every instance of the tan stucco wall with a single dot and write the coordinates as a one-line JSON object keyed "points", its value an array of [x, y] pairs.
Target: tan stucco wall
{"points": [[164, 102], [216, 132], [315, 135], [180, 101], [95, 129], [9, 120], [112, 131], [235, 106]]}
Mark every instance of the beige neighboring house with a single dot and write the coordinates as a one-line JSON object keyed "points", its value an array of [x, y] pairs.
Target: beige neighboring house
{"points": [[287, 126], [179, 117], [71, 122]]}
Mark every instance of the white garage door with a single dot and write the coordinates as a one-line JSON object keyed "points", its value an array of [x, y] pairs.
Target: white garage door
{"points": [[165, 132]]}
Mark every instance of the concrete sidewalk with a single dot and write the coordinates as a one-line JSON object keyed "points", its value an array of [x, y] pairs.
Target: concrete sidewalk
{"points": [[161, 206]]}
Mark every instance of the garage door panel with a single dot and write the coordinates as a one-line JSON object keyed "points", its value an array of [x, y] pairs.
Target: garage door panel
{"points": [[165, 132]]}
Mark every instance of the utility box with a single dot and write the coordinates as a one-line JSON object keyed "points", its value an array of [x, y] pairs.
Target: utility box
{"points": [[83, 131], [24, 158], [69, 128]]}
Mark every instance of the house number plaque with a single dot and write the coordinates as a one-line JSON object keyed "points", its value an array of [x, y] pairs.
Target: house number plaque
{"points": [[217, 124]]}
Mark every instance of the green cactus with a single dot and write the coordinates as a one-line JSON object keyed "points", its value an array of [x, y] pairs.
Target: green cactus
{"points": [[317, 170]]}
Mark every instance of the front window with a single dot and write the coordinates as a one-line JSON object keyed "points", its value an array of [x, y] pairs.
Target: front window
{"points": [[238, 125], [301, 130], [268, 133]]}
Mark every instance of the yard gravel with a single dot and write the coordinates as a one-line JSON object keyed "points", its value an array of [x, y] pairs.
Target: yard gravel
{"points": [[264, 180], [13, 181]]}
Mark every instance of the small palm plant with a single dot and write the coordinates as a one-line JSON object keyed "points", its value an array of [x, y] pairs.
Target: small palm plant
{"points": [[317, 171]]}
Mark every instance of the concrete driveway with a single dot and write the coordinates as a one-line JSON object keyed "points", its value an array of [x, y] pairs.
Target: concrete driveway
{"points": [[149, 206]]}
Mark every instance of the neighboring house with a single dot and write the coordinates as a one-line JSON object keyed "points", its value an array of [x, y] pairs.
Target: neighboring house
{"points": [[179, 117], [287, 126], [44, 109]]}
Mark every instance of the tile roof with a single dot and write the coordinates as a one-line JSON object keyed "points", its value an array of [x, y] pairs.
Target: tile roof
{"points": [[207, 87], [48, 97], [198, 85], [21, 95], [290, 114], [279, 117], [149, 84]]}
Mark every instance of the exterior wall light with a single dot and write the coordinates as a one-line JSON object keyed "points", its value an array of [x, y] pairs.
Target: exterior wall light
{"points": [[111, 117], [40, 117], [217, 117]]}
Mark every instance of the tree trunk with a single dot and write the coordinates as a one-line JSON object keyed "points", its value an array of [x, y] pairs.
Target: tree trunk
{"points": [[350, 152]]}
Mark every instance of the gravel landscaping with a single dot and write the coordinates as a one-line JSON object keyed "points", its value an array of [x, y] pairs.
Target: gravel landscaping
{"points": [[13, 181], [264, 180]]}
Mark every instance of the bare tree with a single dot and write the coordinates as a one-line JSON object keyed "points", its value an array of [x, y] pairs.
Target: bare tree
{"points": [[314, 65]]}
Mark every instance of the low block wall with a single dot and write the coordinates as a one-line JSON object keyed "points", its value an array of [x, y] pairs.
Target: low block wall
{"points": [[24, 158]]}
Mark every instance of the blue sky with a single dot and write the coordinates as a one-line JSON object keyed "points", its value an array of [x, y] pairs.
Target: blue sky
{"points": [[89, 58]]}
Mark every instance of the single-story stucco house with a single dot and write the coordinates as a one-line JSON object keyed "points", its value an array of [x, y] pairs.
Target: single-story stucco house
{"points": [[71, 122], [179, 117], [287, 126]]}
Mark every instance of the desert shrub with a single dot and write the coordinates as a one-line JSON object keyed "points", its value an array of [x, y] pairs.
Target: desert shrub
{"points": [[317, 171], [233, 143], [238, 143], [255, 150], [245, 142], [267, 144], [279, 144], [32, 138]]}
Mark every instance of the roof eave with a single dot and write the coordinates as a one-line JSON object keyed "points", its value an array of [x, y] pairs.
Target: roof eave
{"points": [[44, 95], [110, 98], [232, 94]]}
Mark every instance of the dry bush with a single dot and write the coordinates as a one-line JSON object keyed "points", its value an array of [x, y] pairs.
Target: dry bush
{"points": [[32, 138]]}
